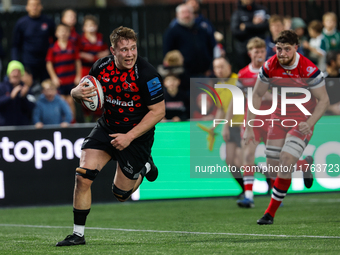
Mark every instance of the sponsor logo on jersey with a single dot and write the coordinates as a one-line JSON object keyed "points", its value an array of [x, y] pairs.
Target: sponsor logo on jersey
{"points": [[105, 63], [118, 102], [44, 26], [155, 86], [128, 168], [266, 65], [310, 70]]}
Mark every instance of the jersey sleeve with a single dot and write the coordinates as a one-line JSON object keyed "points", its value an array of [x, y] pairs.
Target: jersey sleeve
{"points": [[95, 70], [263, 74], [317, 80], [153, 89]]}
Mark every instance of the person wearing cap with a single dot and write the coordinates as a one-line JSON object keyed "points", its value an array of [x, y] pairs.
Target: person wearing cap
{"points": [[299, 25], [16, 103]]}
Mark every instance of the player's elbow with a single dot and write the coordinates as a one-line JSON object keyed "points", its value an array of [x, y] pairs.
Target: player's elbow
{"points": [[161, 114]]}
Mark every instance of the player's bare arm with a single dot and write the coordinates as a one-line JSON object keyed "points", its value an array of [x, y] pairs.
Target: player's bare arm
{"points": [[52, 73], [78, 71], [155, 114], [260, 90], [82, 92], [323, 102]]}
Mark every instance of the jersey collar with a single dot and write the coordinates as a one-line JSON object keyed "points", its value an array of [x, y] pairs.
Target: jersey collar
{"points": [[297, 58], [252, 69]]}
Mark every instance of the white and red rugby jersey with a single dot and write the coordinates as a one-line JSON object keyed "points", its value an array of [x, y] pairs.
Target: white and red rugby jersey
{"points": [[302, 74]]}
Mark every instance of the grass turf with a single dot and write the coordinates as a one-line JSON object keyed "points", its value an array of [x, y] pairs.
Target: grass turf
{"points": [[306, 221]]}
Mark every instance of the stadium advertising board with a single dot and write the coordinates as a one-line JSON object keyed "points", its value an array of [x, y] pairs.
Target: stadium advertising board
{"points": [[37, 166]]}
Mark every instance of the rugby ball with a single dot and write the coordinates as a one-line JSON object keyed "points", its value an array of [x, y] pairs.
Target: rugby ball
{"points": [[98, 99]]}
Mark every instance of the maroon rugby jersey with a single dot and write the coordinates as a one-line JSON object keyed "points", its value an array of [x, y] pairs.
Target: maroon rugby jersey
{"points": [[303, 74], [64, 62], [93, 48], [128, 93]]}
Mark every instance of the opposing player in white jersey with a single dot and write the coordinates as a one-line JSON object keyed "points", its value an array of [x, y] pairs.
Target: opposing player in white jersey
{"points": [[286, 143]]}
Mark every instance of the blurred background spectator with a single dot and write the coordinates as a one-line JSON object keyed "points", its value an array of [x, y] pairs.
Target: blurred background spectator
{"points": [[331, 34], [298, 25], [2, 52], [69, 17], [249, 20], [176, 101], [64, 65], [173, 63], [191, 40], [16, 103], [32, 36], [287, 22], [51, 108], [92, 46], [315, 53], [332, 76]]}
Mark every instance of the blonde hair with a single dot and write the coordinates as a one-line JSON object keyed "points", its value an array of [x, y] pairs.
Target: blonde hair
{"points": [[122, 33], [256, 43], [275, 18], [331, 15], [48, 84], [316, 25], [173, 58]]}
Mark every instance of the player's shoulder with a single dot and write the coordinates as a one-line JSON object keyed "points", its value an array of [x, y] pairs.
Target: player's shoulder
{"points": [[307, 67], [144, 70], [103, 62], [23, 20]]}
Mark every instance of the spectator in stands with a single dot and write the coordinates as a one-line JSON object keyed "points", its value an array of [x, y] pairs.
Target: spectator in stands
{"points": [[92, 46], [219, 37], [316, 54], [16, 103], [332, 76], [32, 36], [64, 65], [69, 17], [331, 34], [2, 52], [299, 25], [287, 22], [51, 108], [176, 101], [276, 26], [201, 21], [248, 21], [173, 63], [191, 40], [35, 87]]}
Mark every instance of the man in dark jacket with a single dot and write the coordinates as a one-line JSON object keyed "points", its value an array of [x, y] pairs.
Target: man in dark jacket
{"points": [[16, 104], [248, 21], [32, 36], [191, 40]]}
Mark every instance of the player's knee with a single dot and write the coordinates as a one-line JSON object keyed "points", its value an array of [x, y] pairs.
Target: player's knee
{"points": [[87, 173], [121, 195], [273, 152], [293, 146]]}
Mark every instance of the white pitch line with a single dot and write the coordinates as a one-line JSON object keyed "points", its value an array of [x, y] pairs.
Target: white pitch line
{"points": [[170, 231]]}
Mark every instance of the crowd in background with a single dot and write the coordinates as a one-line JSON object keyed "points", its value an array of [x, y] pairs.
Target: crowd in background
{"points": [[49, 59]]}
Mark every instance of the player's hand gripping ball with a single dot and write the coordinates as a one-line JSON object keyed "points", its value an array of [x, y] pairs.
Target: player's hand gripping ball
{"points": [[98, 99]]}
